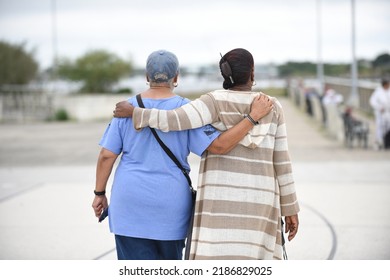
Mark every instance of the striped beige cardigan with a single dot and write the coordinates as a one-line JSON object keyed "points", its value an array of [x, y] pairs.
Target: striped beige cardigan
{"points": [[242, 195]]}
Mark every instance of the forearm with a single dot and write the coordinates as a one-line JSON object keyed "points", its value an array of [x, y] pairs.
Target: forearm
{"points": [[103, 171], [230, 138], [192, 115]]}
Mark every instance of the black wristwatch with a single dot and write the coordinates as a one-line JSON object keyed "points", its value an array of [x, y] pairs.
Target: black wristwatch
{"points": [[99, 193]]}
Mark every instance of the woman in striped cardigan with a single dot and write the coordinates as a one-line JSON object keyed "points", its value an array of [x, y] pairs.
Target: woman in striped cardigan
{"points": [[243, 195]]}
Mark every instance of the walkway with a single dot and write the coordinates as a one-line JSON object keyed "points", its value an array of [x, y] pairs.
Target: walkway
{"points": [[47, 174]]}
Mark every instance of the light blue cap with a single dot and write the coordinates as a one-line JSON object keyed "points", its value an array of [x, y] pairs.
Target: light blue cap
{"points": [[161, 66]]}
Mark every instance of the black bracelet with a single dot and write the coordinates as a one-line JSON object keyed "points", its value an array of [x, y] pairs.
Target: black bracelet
{"points": [[99, 193], [251, 120]]}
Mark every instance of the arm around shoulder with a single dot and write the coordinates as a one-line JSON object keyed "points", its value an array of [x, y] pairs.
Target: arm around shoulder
{"points": [[260, 107]]}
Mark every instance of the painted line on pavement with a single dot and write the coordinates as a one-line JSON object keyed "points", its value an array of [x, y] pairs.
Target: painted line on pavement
{"points": [[329, 225]]}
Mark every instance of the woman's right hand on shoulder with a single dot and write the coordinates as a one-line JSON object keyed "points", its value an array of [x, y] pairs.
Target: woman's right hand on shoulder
{"points": [[261, 106], [123, 109]]}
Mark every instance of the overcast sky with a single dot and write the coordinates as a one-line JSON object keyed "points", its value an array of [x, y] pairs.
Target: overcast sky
{"points": [[198, 30]]}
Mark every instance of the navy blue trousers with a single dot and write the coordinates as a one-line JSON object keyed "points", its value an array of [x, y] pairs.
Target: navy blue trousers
{"points": [[131, 248]]}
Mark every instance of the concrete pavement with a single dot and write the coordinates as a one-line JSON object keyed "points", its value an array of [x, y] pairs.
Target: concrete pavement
{"points": [[47, 174]]}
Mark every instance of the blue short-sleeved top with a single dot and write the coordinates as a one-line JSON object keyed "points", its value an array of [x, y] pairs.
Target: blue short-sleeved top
{"points": [[150, 196]]}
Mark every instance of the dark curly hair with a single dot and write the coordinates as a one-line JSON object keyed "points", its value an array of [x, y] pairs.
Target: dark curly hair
{"points": [[236, 68]]}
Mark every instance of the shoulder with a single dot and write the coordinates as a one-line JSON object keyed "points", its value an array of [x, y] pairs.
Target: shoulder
{"points": [[119, 122], [216, 94], [183, 100], [378, 90], [243, 97], [277, 108], [132, 100], [275, 101]]}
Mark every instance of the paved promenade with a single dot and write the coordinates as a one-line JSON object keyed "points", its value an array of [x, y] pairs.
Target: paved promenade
{"points": [[47, 175]]}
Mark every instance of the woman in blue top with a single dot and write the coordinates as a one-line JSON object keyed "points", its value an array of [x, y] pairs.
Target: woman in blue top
{"points": [[150, 199]]}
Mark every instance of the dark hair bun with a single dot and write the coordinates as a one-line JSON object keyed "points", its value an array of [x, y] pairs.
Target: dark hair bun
{"points": [[236, 67]]}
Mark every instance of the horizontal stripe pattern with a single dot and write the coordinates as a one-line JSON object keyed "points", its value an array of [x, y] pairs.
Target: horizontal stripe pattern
{"points": [[225, 193], [243, 194], [238, 208], [235, 244]]}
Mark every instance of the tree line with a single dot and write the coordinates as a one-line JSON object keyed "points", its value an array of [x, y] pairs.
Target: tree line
{"points": [[99, 70]]}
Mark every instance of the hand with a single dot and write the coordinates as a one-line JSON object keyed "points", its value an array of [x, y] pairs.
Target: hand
{"points": [[99, 204], [123, 109], [260, 107], [291, 227]]}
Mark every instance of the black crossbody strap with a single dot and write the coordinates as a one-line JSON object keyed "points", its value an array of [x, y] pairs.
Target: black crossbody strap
{"points": [[165, 148]]}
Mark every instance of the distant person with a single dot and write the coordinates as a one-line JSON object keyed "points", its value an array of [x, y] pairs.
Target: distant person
{"points": [[150, 202], [380, 102], [243, 195], [331, 97], [310, 94], [354, 129]]}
